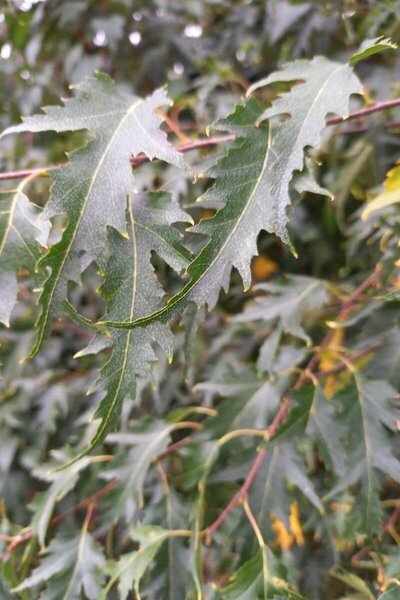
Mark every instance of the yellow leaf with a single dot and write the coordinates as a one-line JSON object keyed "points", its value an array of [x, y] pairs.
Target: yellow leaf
{"points": [[283, 537], [328, 359], [295, 525], [390, 194]]}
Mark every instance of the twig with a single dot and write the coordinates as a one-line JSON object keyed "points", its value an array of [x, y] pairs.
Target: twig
{"points": [[387, 528], [135, 162], [363, 112], [283, 410], [341, 366], [212, 141], [175, 446], [242, 492]]}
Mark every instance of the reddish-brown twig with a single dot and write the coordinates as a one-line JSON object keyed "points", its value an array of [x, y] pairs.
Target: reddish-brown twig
{"points": [[387, 528], [363, 112], [212, 141], [245, 487], [135, 162]]}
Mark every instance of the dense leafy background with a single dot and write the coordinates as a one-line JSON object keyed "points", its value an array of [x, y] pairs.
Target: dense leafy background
{"points": [[139, 514]]}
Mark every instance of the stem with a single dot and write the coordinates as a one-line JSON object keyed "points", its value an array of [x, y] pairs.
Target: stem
{"points": [[135, 162], [242, 492], [213, 141], [363, 112]]}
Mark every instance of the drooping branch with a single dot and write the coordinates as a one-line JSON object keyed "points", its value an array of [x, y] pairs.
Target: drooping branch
{"points": [[214, 141]]}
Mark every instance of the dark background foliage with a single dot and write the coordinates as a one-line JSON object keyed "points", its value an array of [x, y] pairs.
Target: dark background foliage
{"points": [[231, 366]]}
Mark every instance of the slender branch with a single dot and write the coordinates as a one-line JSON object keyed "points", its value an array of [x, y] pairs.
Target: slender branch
{"points": [[387, 528], [363, 112], [213, 141], [135, 162], [357, 356], [243, 490], [281, 415]]}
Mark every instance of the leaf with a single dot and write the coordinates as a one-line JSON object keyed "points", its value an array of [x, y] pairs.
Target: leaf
{"points": [[71, 566], [131, 289], [44, 502], [21, 232], [247, 582], [146, 444], [325, 424], [253, 180], [370, 412], [259, 577], [247, 401], [391, 594], [131, 567], [370, 47], [289, 300], [236, 189], [308, 105], [270, 492], [91, 189], [295, 423], [390, 195], [352, 580]]}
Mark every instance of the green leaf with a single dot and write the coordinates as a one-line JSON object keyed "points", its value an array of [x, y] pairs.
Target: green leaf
{"points": [[270, 493], [246, 401], [253, 181], [392, 593], [325, 424], [259, 577], [92, 188], [21, 231], [233, 227], [370, 47], [44, 502], [131, 567], [352, 581], [370, 413], [147, 444], [131, 289], [288, 302], [71, 566], [307, 104], [248, 581]]}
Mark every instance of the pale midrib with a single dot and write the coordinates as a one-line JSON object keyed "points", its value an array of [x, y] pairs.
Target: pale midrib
{"points": [[45, 314], [184, 293], [267, 483], [128, 337], [368, 450], [305, 120], [151, 451], [78, 558], [11, 212]]}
